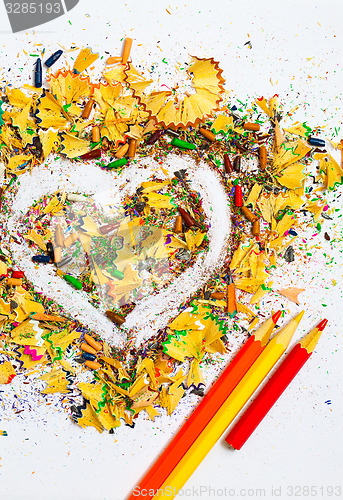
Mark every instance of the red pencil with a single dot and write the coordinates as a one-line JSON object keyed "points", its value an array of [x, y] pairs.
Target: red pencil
{"points": [[271, 392], [202, 415]]}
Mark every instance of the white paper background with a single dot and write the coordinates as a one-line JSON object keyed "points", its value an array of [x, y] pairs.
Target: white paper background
{"points": [[45, 456]]}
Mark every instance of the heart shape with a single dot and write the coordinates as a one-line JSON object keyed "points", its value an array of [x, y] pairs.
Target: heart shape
{"points": [[152, 312]]}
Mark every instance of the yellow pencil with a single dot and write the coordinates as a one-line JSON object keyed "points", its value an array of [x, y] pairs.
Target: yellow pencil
{"points": [[225, 415]]}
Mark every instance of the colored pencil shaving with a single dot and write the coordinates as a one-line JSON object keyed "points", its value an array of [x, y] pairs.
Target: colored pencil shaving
{"points": [[231, 301], [126, 50], [207, 134], [128, 124], [230, 408], [203, 414], [274, 388], [122, 151]]}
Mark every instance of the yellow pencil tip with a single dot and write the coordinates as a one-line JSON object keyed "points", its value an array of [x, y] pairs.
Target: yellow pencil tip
{"points": [[310, 341], [297, 319], [285, 334]]}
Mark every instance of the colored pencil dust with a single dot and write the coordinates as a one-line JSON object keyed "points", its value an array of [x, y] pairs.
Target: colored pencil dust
{"points": [[274, 388], [230, 408], [126, 197], [208, 407]]}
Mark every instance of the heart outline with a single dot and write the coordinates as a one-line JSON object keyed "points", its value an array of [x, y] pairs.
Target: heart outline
{"points": [[150, 314]]}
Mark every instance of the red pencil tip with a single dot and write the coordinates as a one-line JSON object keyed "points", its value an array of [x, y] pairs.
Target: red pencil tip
{"points": [[322, 325], [276, 316]]}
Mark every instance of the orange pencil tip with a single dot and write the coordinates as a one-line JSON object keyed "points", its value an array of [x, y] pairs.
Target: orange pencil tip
{"points": [[322, 325], [276, 316]]}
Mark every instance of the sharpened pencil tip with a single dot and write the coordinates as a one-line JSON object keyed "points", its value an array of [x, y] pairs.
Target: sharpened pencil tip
{"points": [[322, 325], [297, 319], [310, 341], [276, 316], [285, 334]]}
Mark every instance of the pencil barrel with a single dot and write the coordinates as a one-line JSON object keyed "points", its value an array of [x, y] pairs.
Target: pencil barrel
{"points": [[225, 415], [267, 397], [198, 420]]}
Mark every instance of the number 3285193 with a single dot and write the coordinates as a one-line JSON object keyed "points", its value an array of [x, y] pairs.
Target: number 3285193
{"points": [[33, 8]]}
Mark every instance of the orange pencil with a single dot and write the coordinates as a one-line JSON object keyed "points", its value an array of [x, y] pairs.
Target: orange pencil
{"points": [[231, 297], [126, 50], [204, 413], [228, 410]]}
